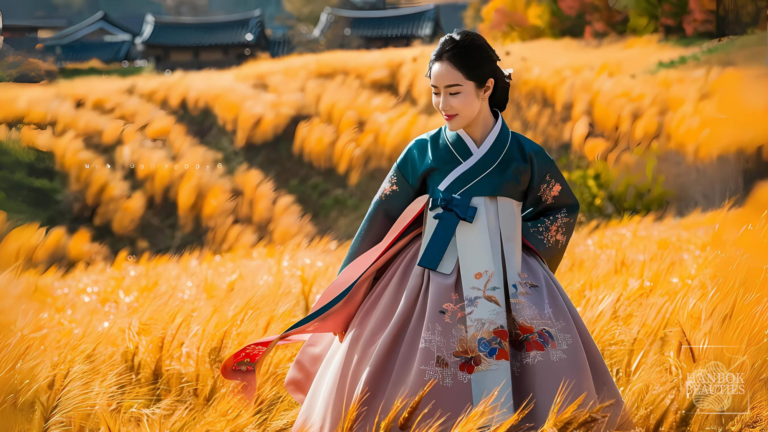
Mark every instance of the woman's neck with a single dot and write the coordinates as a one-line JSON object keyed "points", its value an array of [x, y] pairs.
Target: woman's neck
{"points": [[481, 126]]}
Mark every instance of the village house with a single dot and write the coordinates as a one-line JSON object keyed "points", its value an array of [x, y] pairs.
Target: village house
{"points": [[99, 37]]}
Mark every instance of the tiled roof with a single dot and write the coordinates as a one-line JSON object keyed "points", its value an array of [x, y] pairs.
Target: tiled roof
{"points": [[240, 29], [97, 21], [74, 44], [416, 21]]}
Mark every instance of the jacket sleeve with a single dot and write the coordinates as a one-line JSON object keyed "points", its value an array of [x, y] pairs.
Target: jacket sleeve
{"points": [[549, 209], [393, 197]]}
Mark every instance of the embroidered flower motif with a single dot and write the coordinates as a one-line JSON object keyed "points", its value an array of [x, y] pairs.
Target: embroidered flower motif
{"points": [[452, 307], [487, 346], [245, 359], [531, 340], [520, 287], [477, 351], [441, 362], [388, 186], [485, 289], [551, 326], [489, 297], [469, 355], [553, 229], [471, 301], [442, 366], [503, 335], [495, 347], [549, 190]]}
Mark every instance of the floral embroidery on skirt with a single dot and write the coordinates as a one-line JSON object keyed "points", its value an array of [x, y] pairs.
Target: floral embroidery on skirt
{"points": [[445, 367], [533, 334]]}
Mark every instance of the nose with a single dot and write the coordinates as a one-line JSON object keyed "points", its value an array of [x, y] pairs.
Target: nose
{"points": [[443, 105]]}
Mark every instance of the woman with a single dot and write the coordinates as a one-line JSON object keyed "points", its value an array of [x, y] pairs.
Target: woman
{"points": [[451, 274]]}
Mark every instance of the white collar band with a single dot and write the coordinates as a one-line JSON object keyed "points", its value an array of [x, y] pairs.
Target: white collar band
{"points": [[491, 137]]}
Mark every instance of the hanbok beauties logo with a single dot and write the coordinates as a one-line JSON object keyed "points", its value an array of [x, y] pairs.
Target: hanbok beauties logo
{"points": [[713, 388]]}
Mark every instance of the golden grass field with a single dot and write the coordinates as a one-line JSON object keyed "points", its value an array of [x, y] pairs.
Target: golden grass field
{"points": [[136, 344], [94, 342]]}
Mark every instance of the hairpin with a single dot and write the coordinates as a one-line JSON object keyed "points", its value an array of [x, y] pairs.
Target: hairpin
{"points": [[507, 73]]}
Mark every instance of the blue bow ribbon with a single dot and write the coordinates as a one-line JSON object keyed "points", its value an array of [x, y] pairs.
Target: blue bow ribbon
{"points": [[455, 209], [456, 204]]}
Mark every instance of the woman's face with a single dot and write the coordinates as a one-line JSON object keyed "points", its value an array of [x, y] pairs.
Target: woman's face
{"points": [[457, 99]]}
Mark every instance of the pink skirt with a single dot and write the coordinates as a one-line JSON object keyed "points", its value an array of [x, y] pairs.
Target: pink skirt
{"points": [[406, 331]]}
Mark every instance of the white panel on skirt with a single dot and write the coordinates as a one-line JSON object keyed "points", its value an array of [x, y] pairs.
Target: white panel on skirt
{"points": [[478, 248]]}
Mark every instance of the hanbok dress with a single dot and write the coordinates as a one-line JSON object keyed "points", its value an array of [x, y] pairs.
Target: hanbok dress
{"points": [[450, 277]]}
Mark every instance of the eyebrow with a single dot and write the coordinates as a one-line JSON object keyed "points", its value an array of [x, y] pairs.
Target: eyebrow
{"points": [[448, 86]]}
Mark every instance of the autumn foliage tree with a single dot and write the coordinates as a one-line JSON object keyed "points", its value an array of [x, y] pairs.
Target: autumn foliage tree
{"points": [[514, 20]]}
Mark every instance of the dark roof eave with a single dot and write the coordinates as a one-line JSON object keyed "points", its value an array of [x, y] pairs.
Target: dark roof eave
{"points": [[429, 10], [383, 13], [260, 39], [249, 45], [163, 19], [77, 27], [62, 36], [36, 23], [151, 37]]}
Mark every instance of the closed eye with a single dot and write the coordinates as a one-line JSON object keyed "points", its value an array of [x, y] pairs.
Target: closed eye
{"points": [[452, 94]]}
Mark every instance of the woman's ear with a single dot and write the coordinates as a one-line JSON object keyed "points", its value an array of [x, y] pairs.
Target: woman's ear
{"points": [[488, 88]]}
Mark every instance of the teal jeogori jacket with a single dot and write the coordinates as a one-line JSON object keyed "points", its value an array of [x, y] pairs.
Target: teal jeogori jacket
{"points": [[442, 163]]}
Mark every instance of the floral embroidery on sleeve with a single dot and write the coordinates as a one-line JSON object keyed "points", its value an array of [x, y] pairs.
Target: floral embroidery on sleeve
{"points": [[549, 190], [553, 229], [388, 186]]}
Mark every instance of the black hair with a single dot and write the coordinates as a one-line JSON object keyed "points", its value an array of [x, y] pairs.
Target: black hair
{"points": [[473, 56]]}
